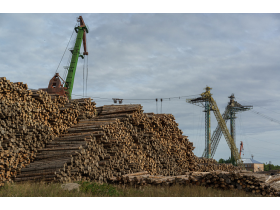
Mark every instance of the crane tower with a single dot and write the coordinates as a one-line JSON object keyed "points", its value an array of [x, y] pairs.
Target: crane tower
{"points": [[209, 104], [230, 112]]}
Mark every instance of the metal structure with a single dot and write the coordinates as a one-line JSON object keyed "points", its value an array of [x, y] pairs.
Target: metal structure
{"points": [[81, 31], [81, 36], [234, 108], [117, 100], [206, 99], [56, 87], [211, 105], [229, 114]]}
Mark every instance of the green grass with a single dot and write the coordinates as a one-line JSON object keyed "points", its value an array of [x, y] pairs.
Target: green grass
{"points": [[99, 189], [92, 189], [38, 190], [181, 191]]}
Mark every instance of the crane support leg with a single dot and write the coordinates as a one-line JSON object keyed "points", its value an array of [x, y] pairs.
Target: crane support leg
{"points": [[207, 130], [232, 132]]}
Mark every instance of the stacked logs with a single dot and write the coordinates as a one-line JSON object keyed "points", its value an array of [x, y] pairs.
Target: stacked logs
{"points": [[120, 140], [206, 165], [125, 140], [242, 180], [46, 137], [29, 120]]}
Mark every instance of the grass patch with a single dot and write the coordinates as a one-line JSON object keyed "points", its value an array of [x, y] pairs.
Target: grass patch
{"points": [[92, 189], [101, 190], [38, 190], [182, 191]]}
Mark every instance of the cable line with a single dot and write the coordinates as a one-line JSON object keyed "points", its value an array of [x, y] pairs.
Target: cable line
{"points": [[84, 78], [142, 99], [266, 117], [260, 107], [65, 51]]}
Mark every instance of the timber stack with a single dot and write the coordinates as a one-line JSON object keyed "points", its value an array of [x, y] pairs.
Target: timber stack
{"points": [[29, 120], [206, 165], [49, 138], [120, 140], [242, 180]]}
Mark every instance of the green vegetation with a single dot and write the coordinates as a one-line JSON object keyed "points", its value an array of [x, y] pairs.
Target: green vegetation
{"points": [[99, 189], [92, 189], [38, 190], [229, 160], [268, 167]]}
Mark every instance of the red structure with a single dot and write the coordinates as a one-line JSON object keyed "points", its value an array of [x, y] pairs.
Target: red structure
{"points": [[56, 87], [241, 148]]}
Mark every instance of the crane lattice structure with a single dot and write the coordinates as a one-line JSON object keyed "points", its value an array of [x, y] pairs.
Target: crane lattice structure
{"points": [[209, 104], [231, 110]]}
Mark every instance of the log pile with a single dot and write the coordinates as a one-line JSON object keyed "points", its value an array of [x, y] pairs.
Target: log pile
{"points": [[29, 120], [242, 180], [120, 140], [47, 137], [206, 165]]}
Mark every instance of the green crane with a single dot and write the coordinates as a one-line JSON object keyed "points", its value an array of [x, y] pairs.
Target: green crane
{"points": [[81, 36], [55, 85]]}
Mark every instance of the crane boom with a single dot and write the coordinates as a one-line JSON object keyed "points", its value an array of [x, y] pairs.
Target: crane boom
{"points": [[225, 132], [55, 85], [81, 35]]}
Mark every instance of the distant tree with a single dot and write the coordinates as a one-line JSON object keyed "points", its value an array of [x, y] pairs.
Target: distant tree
{"points": [[229, 160], [268, 167], [221, 160]]}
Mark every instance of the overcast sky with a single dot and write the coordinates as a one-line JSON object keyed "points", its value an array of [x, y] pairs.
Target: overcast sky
{"points": [[149, 56]]}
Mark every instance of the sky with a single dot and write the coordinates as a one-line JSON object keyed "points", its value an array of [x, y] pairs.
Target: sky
{"points": [[140, 56]]}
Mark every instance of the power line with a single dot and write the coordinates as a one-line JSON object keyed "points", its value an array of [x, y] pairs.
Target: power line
{"points": [[179, 97], [259, 106], [254, 138], [265, 116], [247, 143]]}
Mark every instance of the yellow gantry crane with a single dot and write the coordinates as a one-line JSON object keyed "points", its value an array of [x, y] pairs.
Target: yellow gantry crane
{"points": [[231, 110], [206, 101]]}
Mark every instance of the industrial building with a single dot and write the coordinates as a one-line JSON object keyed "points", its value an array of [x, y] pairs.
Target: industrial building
{"points": [[252, 165]]}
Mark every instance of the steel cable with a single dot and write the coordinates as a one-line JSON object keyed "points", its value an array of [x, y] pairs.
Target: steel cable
{"points": [[64, 51]]}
